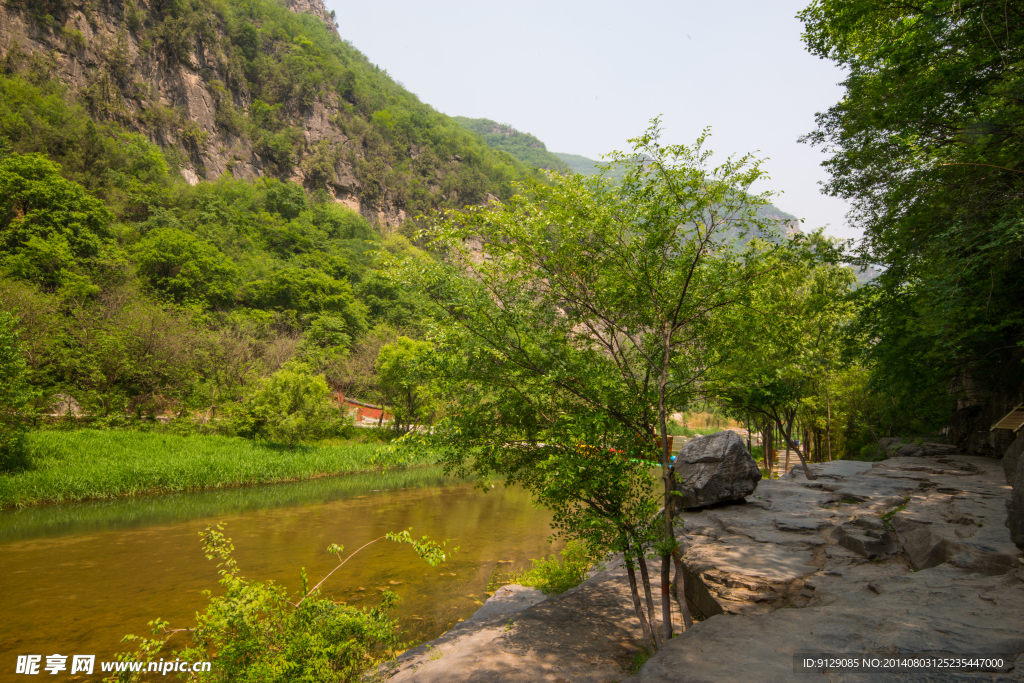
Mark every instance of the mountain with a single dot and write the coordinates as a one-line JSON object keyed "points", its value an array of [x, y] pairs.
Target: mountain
{"points": [[253, 89], [522, 146], [586, 166]]}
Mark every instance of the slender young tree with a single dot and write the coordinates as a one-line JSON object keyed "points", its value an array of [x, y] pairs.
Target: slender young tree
{"points": [[792, 343], [571, 320]]}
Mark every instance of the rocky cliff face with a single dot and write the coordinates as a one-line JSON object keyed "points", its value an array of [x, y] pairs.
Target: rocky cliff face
{"points": [[170, 78]]}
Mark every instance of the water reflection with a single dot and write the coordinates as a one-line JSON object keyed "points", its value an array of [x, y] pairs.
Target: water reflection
{"points": [[77, 578]]}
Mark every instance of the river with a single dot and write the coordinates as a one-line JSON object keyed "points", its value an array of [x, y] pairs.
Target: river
{"points": [[77, 578]]}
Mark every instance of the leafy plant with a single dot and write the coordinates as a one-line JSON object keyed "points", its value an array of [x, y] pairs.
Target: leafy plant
{"points": [[15, 393], [290, 406], [553, 574], [570, 322], [256, 632]]}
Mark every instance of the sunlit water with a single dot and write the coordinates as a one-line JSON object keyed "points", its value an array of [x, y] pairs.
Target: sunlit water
{"points": [[76, 578]]}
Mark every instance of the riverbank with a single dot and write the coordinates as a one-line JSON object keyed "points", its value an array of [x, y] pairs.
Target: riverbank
{"points": [[92, 464]]}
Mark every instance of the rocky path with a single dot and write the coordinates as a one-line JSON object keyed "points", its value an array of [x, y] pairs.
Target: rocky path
{"points": [[909, 555], [586, 635]]}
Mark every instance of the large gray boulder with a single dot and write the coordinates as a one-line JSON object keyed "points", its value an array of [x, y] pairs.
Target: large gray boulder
{"points": [[1015, 506], [714, 469], [1011, 457]]}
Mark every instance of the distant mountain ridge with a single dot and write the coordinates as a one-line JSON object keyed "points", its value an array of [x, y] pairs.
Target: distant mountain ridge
{"points": [[523, 146]]}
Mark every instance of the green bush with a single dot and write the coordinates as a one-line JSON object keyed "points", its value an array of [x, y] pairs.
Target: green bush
{"points": [[255, 631], [290, 406], [552, 575], [186, 268], [48, 225]]}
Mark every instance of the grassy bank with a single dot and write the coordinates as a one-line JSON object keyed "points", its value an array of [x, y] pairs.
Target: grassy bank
{"points": [[66, 466]]}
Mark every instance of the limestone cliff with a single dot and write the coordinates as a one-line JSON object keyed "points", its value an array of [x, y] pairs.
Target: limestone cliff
{"points": [[244, 90]]}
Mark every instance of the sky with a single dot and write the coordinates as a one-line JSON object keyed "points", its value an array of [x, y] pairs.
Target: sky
{"points": [[584, 77]]}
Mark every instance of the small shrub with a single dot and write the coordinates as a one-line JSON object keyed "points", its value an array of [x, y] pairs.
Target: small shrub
{"points": [[552, 575]]}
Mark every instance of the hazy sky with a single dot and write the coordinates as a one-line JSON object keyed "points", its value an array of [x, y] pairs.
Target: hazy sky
{"points": [[584, 77]]}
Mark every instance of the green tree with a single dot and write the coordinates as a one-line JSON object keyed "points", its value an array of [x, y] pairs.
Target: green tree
{"points": [[400, 371], [307, 291], [49, 226], [927, 146], [15, 392], [186, 268], [788, 343], [288, 407], [568, 323]]}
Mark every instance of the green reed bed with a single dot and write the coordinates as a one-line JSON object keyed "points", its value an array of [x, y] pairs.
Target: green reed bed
{"points": [[66, 466]]}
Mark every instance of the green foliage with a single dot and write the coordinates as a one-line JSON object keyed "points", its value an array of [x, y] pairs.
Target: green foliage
{"points": [[290, 406], [85, 464], [787, 348], [640, 658], [306, 290], [254, 631], [15, 393], [403, 380], [186, 268], [522, 146], [584, 166], [933, 180], [571, 320], [554, 575], [49, 226], [101, 156], [429, 551]]}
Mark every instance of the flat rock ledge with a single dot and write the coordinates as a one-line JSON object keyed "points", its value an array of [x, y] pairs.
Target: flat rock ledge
{"points": [[586, 635], [905, 556]]}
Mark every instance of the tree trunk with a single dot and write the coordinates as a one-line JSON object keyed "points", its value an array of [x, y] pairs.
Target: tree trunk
{"points": [[637, 607], [684, 607], [646, 579], [669, 509], [749, 450], [666, 599], [786, 444], [828, 423], [799, 454]]}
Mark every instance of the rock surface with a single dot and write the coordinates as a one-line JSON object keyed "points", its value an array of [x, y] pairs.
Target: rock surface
{"points": [[904, 447], [941, 609], [714, 469], [904, 556], [1011, 457], [585, 635], [1015, 506]]}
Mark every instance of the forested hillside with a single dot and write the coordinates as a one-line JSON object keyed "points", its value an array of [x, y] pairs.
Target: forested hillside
{"points": [[190, 193], [252, 89]]}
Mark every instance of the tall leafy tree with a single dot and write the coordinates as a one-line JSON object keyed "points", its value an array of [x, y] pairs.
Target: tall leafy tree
{"points": [[789, 342], [927, 144], [571, 320]]}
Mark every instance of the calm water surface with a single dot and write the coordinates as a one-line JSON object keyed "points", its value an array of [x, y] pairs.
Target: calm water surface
{"points": [[76, 578]]}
